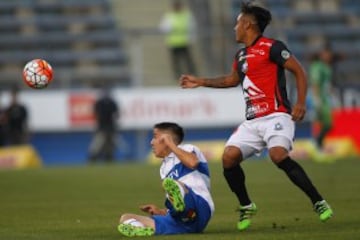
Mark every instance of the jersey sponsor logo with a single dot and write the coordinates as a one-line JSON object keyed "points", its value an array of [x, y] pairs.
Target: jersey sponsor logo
{"points": [[251, 91], [241, 58], [265, 43], [256, 109], [258, 51]]}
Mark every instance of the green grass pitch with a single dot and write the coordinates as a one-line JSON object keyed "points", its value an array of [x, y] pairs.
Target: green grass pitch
{"points": [[85, 202]]}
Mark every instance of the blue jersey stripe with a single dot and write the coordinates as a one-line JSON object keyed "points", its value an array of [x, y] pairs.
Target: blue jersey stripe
{"points": [[203, 168], [179, 170]]}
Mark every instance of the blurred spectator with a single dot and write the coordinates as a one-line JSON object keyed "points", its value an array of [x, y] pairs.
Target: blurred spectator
{"points": [[321, 80], [16, 117], [106, 113], [2, 124], [178, 25]]}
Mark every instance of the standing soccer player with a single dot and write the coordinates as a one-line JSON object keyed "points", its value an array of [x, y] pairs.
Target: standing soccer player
{"points": [[270, 120], [186, 180], [321, 74]]}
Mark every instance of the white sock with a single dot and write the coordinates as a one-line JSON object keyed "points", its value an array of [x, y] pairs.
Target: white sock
{"points": [[182, 191], [134, 222]]}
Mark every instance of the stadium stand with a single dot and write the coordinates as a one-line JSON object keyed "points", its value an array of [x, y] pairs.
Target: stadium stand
{"points": [[80, 39], [306, 25]]}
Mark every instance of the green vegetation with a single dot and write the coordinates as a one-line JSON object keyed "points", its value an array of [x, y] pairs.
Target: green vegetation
{"points": [[85, 202]]}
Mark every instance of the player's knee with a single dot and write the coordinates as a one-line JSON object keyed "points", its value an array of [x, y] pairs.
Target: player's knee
{"points": [[231, 157], [125, 217], [278, 154], [288, 165]]}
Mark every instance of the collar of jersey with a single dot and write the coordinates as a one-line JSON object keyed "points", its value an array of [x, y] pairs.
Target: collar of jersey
{"points": [[255, 41], [169, 157]]}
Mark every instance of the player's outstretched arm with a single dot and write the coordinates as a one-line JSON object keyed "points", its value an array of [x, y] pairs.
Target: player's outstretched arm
{"points": [[226, 81], [299, 109], [153, 209]]}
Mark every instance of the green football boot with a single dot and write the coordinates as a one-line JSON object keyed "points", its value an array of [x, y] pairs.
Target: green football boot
{"points": [[323, 209], [174, 194], [132, 231], [246, 213]]}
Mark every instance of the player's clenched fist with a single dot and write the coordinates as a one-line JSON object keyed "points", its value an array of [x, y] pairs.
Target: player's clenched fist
{"points": [[189, 81]]}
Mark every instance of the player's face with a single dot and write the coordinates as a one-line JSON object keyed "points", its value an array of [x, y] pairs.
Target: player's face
{"points": [[239, 28], [326, 56], [158, 146], [243, 24]]}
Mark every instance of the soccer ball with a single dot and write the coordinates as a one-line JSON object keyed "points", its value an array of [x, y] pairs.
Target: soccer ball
{"points": [[37, 73]]}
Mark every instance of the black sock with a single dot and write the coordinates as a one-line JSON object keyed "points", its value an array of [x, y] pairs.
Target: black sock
{"points": [[298, 176], [322, 135], [235, 178]]}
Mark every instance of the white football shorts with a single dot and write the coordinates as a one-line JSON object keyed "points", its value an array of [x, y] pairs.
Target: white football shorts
{"points": [[252, 136]]}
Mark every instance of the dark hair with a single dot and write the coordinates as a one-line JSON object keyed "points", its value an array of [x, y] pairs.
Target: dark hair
{"points": [[174, 128], [262, 15]]}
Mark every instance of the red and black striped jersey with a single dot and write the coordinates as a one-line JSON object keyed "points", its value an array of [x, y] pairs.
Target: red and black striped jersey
{"points": [[262, 76]]}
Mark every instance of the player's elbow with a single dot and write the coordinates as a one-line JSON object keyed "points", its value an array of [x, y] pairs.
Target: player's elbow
{"points": [[193, 163]]}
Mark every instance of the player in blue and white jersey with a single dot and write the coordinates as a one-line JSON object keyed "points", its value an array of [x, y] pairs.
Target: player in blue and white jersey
{"points": [[186, 180]]}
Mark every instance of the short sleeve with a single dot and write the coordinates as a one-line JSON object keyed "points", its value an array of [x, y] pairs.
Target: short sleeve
{"points": [[188, 148], [279, 53]]}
